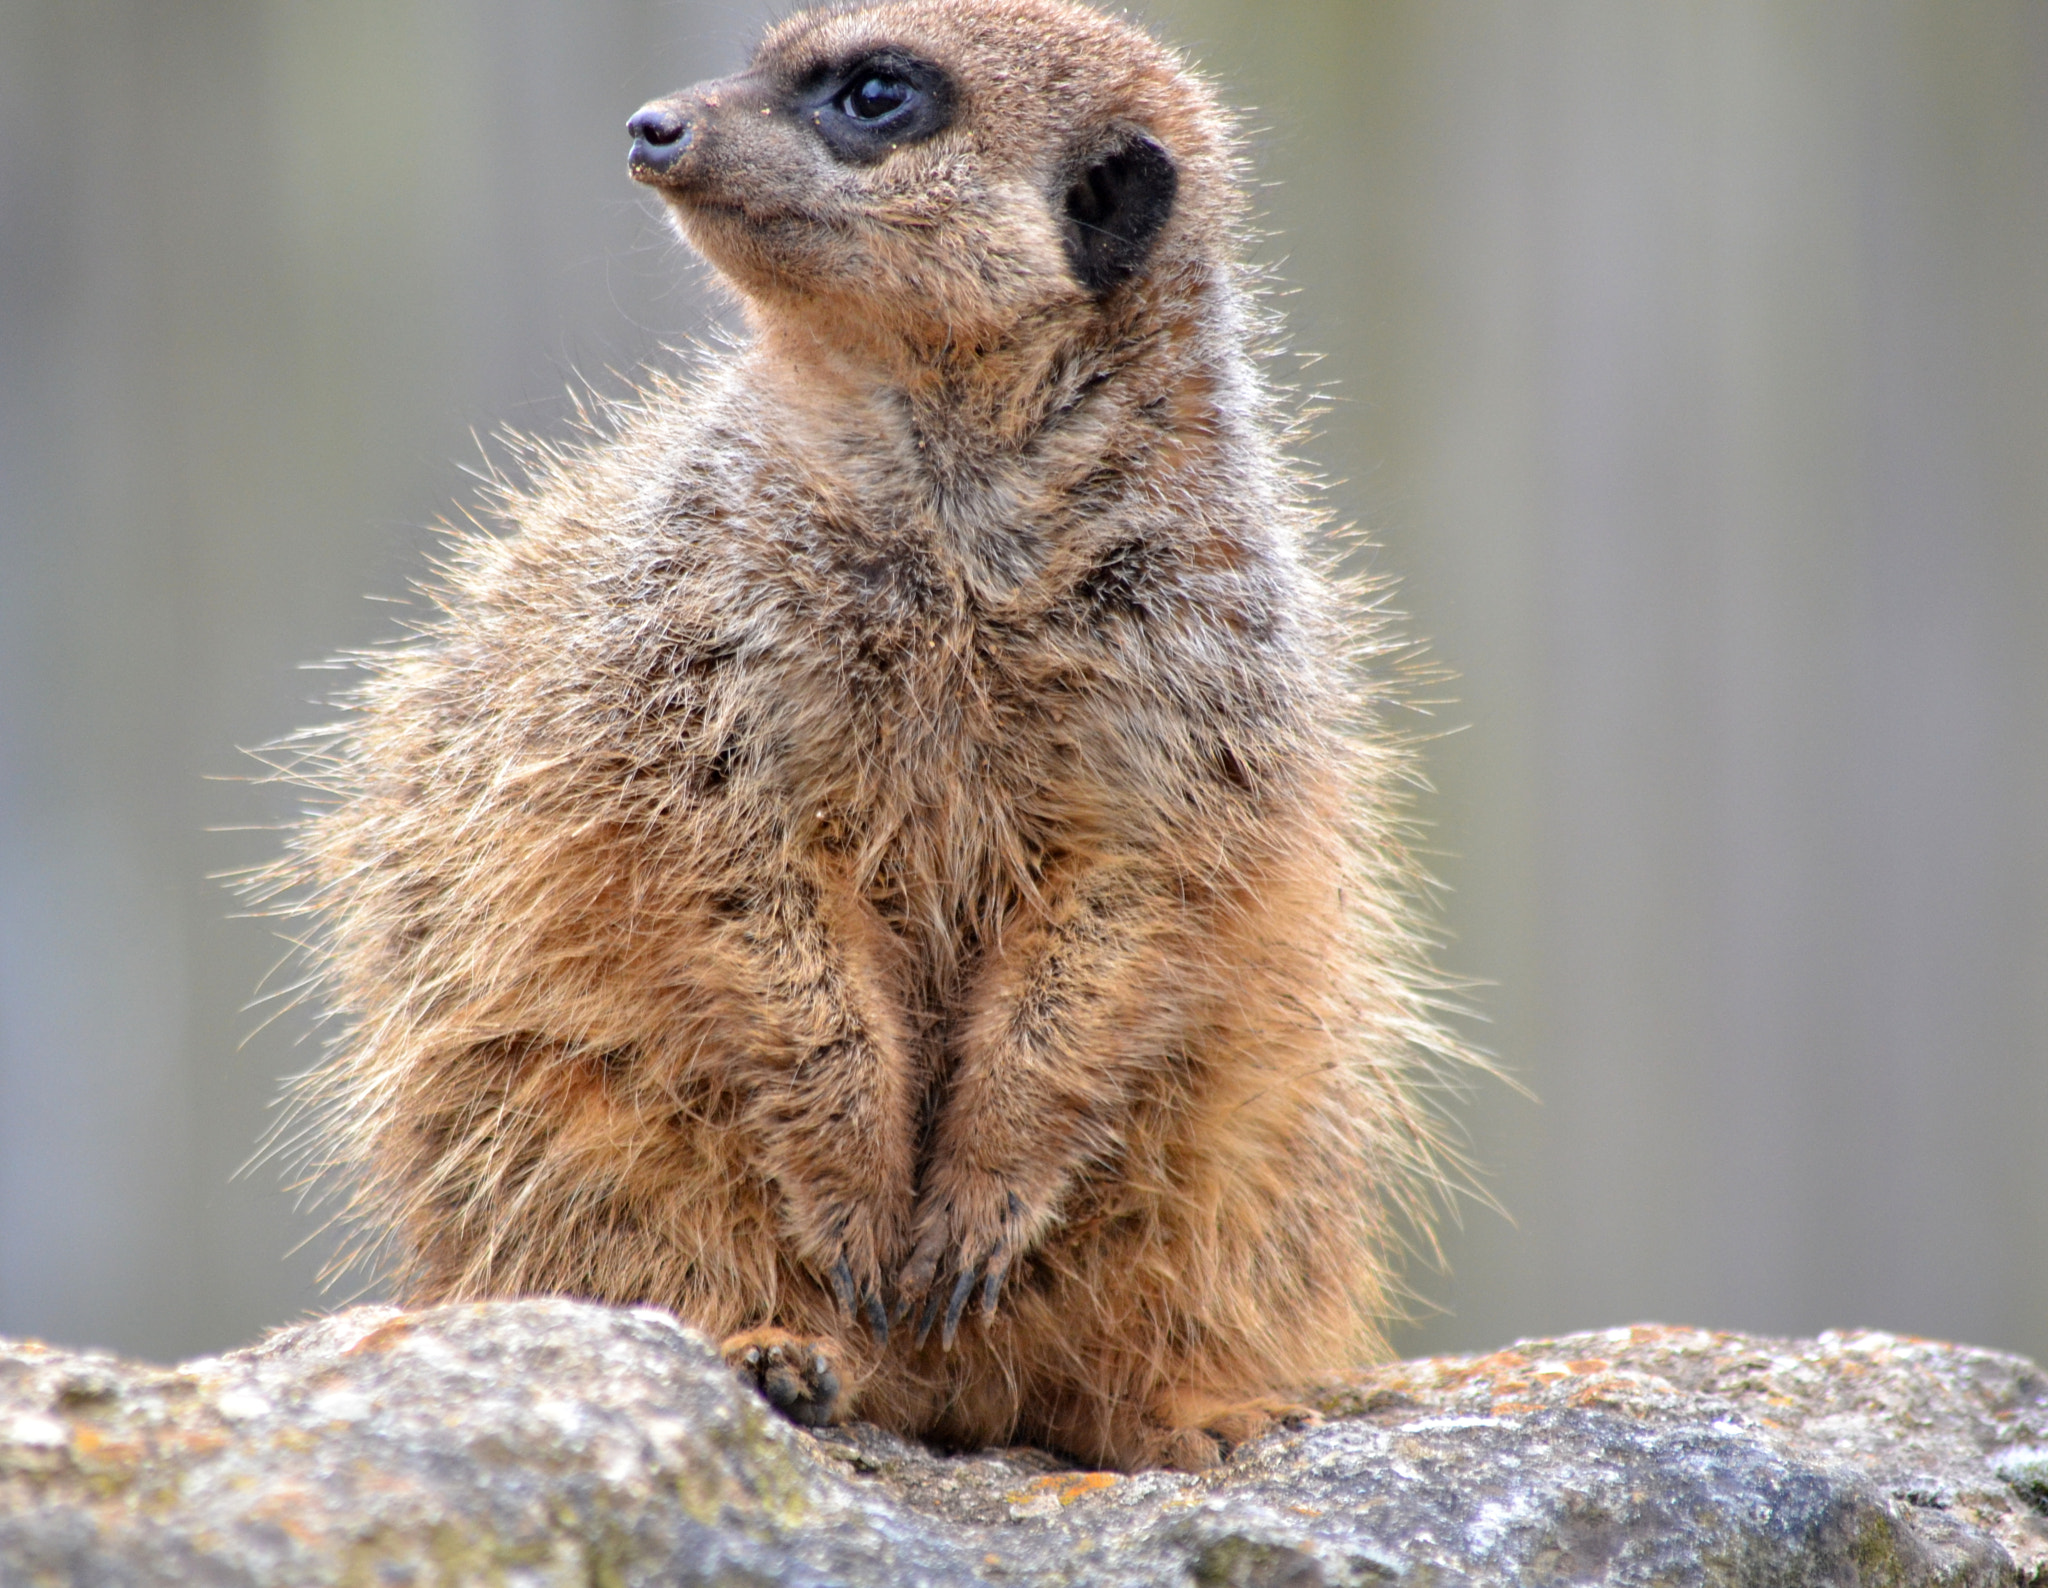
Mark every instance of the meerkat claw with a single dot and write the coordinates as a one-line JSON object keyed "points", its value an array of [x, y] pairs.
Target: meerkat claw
{"points": [[963, 1287], [933, 1301], [919, 1275], [842, 1285], [998, 1260]]}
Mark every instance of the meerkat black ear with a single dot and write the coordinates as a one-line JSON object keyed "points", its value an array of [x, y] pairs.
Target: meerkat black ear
{"points": [[1115, 211]]}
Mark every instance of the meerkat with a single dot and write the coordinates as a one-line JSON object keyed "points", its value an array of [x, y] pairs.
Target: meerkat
{"points": [[891, 853]]}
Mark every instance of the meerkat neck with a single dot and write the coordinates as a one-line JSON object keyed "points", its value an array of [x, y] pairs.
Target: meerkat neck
{"points": [[965, 409]]}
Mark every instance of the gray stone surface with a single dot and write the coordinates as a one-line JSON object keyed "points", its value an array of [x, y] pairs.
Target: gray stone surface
{"points": [[544, 1442]]}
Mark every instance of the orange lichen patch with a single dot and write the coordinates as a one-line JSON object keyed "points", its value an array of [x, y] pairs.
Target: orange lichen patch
{"points": [[1515, 1408], [200, 1442], [94, 1448], [288, 1508], [1066, 1487], [1494, 1365], [383, 1337], [1670, 1335], [371, 1477], [1623, 1372], [1619, 1391]]}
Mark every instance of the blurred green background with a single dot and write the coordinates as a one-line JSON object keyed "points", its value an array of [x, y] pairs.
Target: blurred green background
{"points": [[1688, 361]]}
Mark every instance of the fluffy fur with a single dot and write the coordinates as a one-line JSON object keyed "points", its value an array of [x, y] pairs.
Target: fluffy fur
{"points": [[890, 853]]}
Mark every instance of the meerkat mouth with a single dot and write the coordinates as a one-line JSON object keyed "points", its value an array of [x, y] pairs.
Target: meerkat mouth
{"points": [[696, 208]]}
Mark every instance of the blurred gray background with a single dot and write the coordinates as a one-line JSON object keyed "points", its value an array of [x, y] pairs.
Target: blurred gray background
{"points": [[1689, 362]]}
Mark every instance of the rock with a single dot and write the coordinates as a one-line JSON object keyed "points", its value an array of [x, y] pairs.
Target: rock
{"points": [[541, 1442]]}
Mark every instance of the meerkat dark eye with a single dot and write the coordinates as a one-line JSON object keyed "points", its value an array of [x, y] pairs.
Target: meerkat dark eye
{"points": [[882, 103], [876, 99]]}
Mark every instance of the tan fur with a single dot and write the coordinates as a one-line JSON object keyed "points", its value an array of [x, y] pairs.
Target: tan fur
{"points": [[902, 799]]}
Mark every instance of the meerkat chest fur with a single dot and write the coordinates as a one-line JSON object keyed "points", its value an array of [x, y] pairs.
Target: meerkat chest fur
{"points": [[952, 656]]}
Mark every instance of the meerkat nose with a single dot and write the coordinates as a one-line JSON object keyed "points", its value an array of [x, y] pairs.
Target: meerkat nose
{"points": [[661, 136]]}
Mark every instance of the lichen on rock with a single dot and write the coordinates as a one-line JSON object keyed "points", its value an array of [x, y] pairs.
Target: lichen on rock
{"points": [[541, 1442]]}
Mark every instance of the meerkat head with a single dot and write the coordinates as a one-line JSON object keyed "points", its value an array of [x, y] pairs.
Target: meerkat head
{"points": [[943, 171]]}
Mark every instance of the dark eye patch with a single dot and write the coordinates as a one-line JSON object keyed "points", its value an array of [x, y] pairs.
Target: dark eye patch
{"points": [[867, 108]]}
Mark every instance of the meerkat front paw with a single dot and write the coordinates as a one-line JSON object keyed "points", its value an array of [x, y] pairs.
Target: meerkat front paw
{"points": [[853, 1248], [963, 1241], [793, 1374]]}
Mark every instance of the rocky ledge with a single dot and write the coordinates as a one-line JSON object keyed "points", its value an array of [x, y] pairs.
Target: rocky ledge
{"points": [[542, 1442]]}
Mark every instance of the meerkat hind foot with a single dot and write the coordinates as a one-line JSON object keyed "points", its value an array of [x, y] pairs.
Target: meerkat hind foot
{"points": [[792, 1373], [1218, 1432]]}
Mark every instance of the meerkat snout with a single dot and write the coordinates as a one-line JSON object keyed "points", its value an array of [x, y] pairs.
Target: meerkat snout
{"points": [[661, 136]]}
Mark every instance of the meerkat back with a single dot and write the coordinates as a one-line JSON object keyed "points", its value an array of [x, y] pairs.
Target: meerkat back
{"points": [[888, 854]]}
